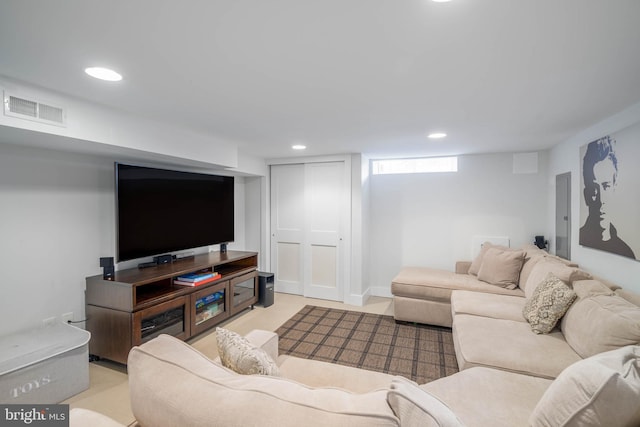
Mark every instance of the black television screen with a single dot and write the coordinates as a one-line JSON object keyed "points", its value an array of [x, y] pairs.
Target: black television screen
{"points": [[161, 211]]}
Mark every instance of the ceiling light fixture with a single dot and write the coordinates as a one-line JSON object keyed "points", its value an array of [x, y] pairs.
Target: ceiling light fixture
{"points": [[103, 74], [436, 135], [299, 147]]}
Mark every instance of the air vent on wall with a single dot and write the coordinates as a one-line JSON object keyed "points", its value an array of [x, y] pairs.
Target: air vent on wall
{"points": [[33, 110]]}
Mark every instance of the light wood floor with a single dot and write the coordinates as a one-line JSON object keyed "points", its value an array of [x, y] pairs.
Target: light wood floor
{"points": [[108, 392]]}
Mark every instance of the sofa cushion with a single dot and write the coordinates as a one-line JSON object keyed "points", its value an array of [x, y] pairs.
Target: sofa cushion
{"points": [[474, 268], [598, 391], [530, 261], [633, 298], [501, 267], [509, 345], [416, 407], [549, 302], [436, 285], [238, 354], [316, 373], [600, 320], [191, 386], [484, 397], [562, 271], [488, 305], [586, 288]]}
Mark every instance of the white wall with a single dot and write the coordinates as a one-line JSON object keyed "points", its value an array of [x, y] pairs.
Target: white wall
{"points": [[565, 158], [431, 219], [57, 218]]}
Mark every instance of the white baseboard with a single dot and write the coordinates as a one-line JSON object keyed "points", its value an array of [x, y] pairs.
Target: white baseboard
{"points": [[357, 300], [381, 292]]}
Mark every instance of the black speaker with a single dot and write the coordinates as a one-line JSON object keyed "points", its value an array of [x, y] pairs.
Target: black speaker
{"points": [[163, 259], [108, 268], [266, 291], [540, 242], [223, 248]]}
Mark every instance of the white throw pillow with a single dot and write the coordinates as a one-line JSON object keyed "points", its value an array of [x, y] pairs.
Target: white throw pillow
{"points": [[603, 390], [238, 354], [416, 407]]}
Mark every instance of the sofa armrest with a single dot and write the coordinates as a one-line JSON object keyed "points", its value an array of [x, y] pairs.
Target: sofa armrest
{"points": [[462, 267], [266, 340]]}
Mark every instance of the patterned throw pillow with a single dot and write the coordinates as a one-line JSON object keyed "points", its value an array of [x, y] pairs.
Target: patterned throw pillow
{"points": [[549, 302], [239, 355]]}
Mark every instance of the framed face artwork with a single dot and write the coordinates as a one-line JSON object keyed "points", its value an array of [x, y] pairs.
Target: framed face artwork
{"points": [[610, 202]]}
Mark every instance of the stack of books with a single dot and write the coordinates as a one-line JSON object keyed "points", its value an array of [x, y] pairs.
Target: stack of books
{"points": [[196, 279]]}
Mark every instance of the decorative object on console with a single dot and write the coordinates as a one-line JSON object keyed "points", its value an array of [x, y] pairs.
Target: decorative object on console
{"points": [[239, 355]]}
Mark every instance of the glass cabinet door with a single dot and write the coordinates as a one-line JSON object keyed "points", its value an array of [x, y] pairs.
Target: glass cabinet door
{"points": [[244, 291], [209, 306], [170, 318]]}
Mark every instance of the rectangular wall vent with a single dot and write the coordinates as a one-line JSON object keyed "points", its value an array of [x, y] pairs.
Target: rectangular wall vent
{"points": [[33, 110]]}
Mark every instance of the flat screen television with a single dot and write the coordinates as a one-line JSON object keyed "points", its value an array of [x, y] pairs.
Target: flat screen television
{"points": [[162, 211]]}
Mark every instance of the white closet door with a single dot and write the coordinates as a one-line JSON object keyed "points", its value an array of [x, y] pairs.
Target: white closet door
{"points": [[287, 227], [310, 209], [325, 202]]}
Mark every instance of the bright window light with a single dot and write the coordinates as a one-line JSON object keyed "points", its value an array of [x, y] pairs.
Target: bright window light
{"points": [[415, 165]]}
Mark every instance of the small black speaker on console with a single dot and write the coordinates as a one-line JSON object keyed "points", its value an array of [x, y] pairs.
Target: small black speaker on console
{"points": [[163, 259], [223, 248], [108, 268]]}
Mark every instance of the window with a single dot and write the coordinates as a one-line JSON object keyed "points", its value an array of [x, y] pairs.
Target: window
{"points": [[415, 165]]}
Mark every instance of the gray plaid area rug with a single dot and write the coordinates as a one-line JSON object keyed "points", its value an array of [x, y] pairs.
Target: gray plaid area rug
{"points": [[422, 353]]}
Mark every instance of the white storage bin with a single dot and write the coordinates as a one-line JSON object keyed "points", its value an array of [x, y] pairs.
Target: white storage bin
{"points": [[46, 365]]}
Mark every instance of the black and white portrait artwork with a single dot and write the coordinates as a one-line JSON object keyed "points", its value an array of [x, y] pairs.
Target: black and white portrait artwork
{"points": [[610, 202]]}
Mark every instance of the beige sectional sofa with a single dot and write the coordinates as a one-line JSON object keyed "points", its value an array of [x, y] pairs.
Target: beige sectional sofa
{"points": [[172, 384], [423, 295], [584, 371]]}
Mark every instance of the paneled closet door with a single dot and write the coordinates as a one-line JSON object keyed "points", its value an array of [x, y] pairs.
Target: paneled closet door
{"points": [[287, 227], [325, 206], [310, 220]]}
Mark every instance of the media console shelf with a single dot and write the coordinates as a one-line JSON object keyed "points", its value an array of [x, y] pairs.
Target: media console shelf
{"points": [[140, 304]]}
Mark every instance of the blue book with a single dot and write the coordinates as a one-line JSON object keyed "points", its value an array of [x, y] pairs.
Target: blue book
{"points": [[195, 277]]}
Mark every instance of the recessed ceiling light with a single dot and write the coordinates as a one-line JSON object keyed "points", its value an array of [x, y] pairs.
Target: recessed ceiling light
{"points": [[299, 147], [436, 135], [103, 74]]}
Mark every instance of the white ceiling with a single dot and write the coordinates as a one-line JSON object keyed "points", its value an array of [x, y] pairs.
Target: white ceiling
{"points": [[370, 76]]}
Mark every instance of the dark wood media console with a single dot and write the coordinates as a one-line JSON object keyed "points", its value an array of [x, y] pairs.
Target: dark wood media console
{"points": [[140, 304]]}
